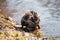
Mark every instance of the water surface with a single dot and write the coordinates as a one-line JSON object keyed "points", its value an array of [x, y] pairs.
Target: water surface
{"points": [[48, 10]]}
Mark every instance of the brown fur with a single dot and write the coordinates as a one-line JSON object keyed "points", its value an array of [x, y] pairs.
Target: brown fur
{"points": [[26, 19], [35, 19], [30, 20]]}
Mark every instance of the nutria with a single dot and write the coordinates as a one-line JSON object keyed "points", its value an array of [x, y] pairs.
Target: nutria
{"points": [[31, 21]]}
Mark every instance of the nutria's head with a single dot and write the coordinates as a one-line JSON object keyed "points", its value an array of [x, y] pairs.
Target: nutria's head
{"points": [[33, 13], [29, 15]]}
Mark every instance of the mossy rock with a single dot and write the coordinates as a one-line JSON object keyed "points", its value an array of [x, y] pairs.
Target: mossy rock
{"points": [[38, 33], [7, 24]]}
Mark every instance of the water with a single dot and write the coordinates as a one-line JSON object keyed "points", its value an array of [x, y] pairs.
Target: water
{"points": [[48, 10]]}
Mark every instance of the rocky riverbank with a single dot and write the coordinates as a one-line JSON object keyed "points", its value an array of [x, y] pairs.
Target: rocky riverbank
{"points": [[10, 30]]}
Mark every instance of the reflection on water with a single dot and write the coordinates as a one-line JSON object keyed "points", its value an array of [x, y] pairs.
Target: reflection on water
{"points": [[49, 11]]}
